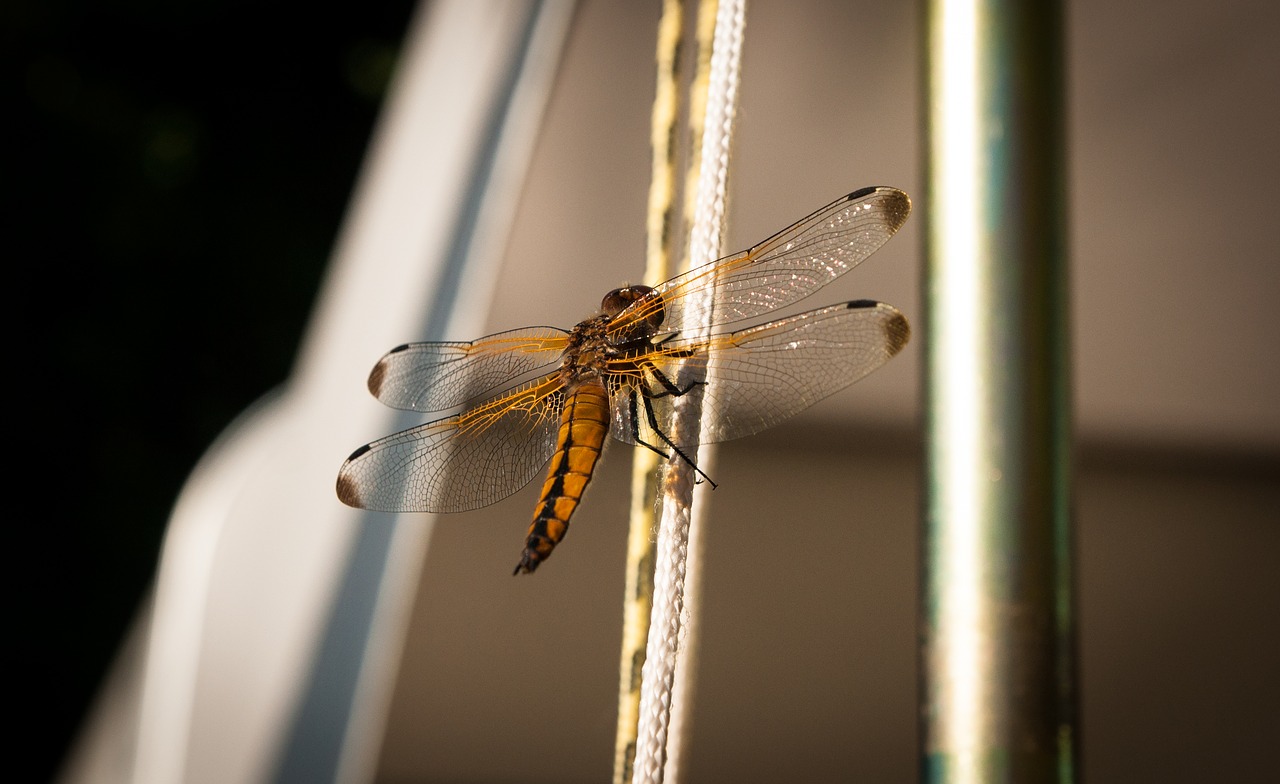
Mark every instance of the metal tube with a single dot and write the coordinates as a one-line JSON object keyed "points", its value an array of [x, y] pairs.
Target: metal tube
{"points": [[998, 644]]}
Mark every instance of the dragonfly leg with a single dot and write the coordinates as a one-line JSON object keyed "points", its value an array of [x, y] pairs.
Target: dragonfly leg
{"points": [[649, 396], [669, 387], [635, 429]]}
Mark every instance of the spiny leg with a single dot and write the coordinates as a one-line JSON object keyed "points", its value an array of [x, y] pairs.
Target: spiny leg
{"points": [[669, 387], [635, 428], [652, 417]]}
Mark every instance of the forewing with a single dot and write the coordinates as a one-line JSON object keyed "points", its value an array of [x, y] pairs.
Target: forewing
{"points": [[461, 462], [758, 377], [439, 376], [780, 271]]}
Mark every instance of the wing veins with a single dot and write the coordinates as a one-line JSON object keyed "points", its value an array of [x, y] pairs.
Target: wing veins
{"points": [[460, 462], [781, 270], [439, 376]]}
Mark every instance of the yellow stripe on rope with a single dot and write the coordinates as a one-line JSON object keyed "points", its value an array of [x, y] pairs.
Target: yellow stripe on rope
{"points": [[638, 600]]}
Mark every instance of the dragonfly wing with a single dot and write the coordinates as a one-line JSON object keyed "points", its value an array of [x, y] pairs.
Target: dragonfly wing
{"points": [[626, 417], [439, 376], [780, 271], [758, 377], [461, 462]]}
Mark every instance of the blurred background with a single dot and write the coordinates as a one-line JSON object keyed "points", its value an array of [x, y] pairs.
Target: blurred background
{"points": [[177, 177], [179, 182]]}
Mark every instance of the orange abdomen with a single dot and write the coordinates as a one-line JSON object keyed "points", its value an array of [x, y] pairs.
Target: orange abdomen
{"points": [[584, 425]]}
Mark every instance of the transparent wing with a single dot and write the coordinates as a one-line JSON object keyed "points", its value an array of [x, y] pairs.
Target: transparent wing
{"points": [[757, 377], [780, 271], [461, 462], [439, 376]]}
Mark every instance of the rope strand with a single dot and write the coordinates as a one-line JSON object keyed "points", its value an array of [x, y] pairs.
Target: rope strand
{"points": [[658, 753], [660, 244]]}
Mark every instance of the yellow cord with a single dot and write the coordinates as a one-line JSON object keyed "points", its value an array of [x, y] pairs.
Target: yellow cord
{"points": [[638, 601]]}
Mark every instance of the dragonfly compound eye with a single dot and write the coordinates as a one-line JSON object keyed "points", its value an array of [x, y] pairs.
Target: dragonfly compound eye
{"points": [[619, 300]]}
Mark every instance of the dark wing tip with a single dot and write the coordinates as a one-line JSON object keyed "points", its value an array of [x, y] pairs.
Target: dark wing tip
{"points": [[348, 488], [377, 376], [898, 332], [349, 491], [899, 203], [896, 329]]}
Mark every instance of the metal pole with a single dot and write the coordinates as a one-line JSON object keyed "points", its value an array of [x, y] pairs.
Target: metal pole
{"points": [[998, 645]]}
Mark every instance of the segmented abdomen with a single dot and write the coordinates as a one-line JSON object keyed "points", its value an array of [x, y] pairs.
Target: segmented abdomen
{"points": [[584, 425]]}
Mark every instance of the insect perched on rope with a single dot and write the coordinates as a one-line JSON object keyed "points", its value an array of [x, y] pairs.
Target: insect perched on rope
{"points": [[529, 396]]}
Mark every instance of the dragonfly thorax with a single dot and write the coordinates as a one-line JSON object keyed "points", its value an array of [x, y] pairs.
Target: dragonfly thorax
{"points": [[587, 349]]}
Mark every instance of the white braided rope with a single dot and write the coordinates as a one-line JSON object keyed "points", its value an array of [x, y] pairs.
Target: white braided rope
{"points": [[658, 751]]}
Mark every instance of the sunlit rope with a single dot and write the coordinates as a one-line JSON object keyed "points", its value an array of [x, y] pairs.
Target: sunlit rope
{"points": [[661, 243], [667, 668]]}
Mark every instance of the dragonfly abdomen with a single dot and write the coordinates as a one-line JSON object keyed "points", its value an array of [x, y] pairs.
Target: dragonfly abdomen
{"points": [[584, 426]]}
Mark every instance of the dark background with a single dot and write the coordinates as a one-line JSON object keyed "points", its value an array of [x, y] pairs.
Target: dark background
{"points": [[179, 174]]}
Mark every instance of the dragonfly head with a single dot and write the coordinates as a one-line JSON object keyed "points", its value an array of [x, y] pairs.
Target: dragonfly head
{"points": [[643, 309], [619, 300]]}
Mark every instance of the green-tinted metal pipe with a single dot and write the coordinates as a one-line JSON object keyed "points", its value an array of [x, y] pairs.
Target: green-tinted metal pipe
{"points": [[998, 659]]}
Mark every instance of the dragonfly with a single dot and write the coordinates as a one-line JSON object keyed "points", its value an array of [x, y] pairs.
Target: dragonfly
{"points": [[544, 397]]}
